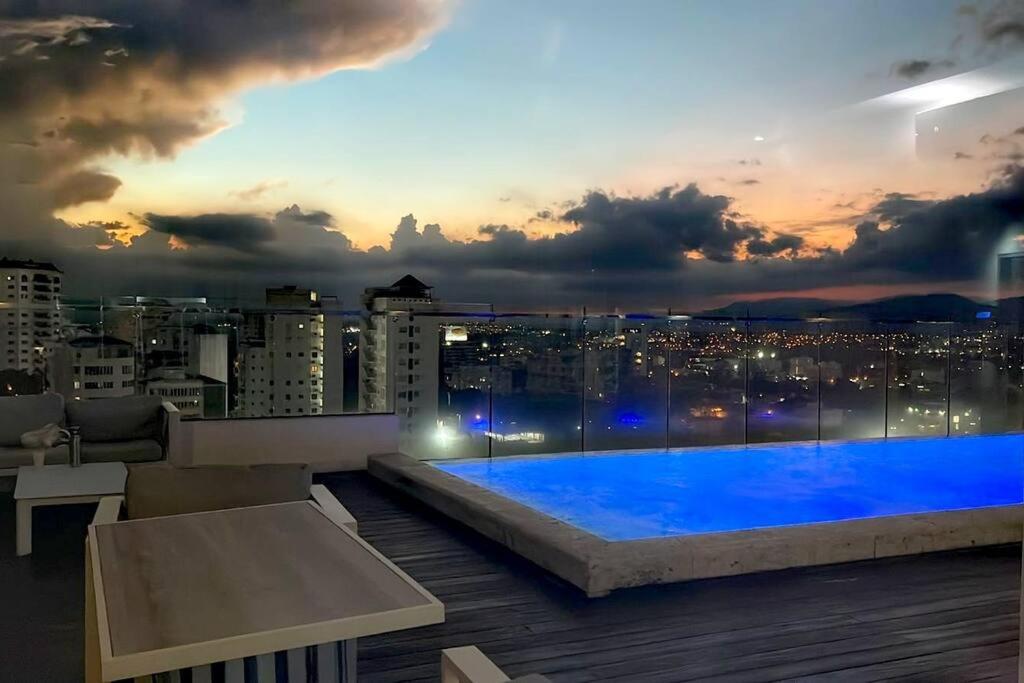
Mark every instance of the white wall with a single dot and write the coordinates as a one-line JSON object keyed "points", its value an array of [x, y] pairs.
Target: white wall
{"points": [[328, 443]]}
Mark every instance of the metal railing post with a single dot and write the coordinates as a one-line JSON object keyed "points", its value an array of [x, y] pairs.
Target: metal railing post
{"points": [[818, 368], [885, 385]]}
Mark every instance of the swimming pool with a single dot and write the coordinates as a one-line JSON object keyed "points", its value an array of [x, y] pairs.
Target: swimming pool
{"points": [[617, 519], [647, 494]]}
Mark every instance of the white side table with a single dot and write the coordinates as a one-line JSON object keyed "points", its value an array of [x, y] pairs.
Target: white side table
{"points": [[62, 485]]}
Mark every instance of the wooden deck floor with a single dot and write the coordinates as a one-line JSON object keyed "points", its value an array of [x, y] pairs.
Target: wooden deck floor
{"points": [[940, 617]]}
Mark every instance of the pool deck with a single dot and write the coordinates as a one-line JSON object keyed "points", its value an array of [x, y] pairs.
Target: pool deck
{"points": [[949, 616], [597, 566]]}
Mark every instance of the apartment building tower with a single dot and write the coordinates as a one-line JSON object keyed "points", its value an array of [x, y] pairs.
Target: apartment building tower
{"points": [[290, 360], [399, 346], [30, 318]]}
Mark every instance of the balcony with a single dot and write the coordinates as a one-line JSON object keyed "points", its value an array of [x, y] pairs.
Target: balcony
{"points": [[522, 385], [950, 616]]}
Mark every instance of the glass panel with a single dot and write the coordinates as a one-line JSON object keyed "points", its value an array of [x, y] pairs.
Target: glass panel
{"points": [[209, 361], [625, 384], [464, 395], [918, 389], [538, 386], [783, 382], [706, 370], [981, 393], [852, 380]]}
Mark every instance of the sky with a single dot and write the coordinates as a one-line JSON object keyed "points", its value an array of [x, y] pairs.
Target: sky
{"points": [[541, 155]]}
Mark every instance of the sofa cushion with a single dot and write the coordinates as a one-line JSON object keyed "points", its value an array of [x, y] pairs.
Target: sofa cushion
{"points": [[20, 414], [158, 490], [138, 450], [117, 419], [16, 456]]}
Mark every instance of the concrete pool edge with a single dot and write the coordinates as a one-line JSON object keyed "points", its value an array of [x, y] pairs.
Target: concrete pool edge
{"points": [[597, 566]]}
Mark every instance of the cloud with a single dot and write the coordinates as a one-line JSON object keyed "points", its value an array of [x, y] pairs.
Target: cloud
{"points": [[672, 247], [1002, 23], [776, 245], [748, 181], [954, 237], [261, 188], [80, 187], [958, 156], [661, 226], [897, 204], [240, 232], [913, 69], [23, 35], [294, 213], [83, 79]]}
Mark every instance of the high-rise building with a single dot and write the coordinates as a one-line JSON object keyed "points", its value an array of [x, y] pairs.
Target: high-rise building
{"points": [[399, 346], [94, 367], [30, 319], [290, 360]]}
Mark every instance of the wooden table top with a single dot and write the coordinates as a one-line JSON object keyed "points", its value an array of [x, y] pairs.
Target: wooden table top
{"points": [[174, 582]]}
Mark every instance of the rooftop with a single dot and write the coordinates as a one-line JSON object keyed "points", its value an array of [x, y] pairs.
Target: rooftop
{"points": [[942, 616], [28, 264]]}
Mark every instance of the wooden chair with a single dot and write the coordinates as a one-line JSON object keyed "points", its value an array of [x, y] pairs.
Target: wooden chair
{"points": [[470, 665]]}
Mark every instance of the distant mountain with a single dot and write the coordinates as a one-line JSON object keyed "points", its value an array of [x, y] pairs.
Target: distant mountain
{"points": [[925, 307], [786, 307]]}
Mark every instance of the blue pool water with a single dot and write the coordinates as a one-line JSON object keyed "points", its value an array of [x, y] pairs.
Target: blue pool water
{"points": [[646, 494]]}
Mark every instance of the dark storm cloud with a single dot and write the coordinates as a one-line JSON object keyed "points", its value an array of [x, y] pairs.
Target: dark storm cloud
{"points": [[241, 232], [83, 186], [955, 237], [897, 204], [663, 249], [611, 234], [777, 245], [314, 218], [912, 69], [657, 229], [83, 79]]}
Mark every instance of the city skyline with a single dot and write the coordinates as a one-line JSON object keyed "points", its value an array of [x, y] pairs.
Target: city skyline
{"points": [[685, 156]]}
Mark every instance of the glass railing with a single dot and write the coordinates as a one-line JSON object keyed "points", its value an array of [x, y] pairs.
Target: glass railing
{"points": [[521, 384], [467, 385], [212, 361]]}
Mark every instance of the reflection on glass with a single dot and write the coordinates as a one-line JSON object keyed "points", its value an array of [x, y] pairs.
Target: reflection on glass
{"points": [[464, 394], [983, 390], [852, 373], [625, 391], [209, 361], [707, 367], [918, 385], [782, 382], [537, 372]]}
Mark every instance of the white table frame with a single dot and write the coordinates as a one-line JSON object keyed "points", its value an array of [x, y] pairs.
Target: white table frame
{"points": [[103, 665], [25, 506]]}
